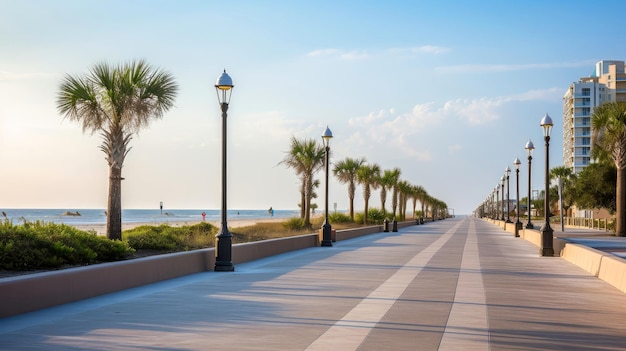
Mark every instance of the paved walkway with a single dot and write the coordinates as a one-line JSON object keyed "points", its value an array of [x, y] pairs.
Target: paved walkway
{"points": [[458, 284]]}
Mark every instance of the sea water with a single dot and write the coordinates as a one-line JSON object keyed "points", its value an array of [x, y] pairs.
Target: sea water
{"points": [[156, 216]]}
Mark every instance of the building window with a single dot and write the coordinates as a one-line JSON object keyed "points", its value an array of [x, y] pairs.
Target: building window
{"points": [[586, 92]]}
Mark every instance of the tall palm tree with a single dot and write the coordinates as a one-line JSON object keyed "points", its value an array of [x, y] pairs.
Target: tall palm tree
{"points": [[367, 175], [387, 180], [117, 102], [418, 193], [394, 193], [404, 192], [306, 157], [608, 123], [345, 171], [423, 196]]}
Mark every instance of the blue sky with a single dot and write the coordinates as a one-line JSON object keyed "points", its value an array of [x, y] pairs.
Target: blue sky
{"points": [[447, 91]]}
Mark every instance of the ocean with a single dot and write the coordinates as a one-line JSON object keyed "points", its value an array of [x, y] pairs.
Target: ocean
{"points": [[97, 216]]}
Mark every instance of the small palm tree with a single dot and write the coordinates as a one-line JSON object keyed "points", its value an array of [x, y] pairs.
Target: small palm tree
{"points": [[387, 181], [116, 102], [367, 175], [306, 157], [345, 171], [609, 143]]}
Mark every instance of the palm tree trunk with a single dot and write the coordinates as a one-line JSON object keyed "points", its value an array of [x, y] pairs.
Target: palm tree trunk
{"points": [[620, 206], [303, 199], [114, 210], [383, 198], [367, 200], [351, 190]]}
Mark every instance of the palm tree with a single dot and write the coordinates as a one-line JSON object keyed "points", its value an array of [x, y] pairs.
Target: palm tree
{"points": [[387, 180], [306, 157], [394, 194], [345, 171], [116, 102], [609, 143], [404, 192], [367, 175], [422, 195], [418, 194], [567, 177]]}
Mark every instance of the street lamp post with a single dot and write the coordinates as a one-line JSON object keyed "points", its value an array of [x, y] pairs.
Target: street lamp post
{"points": [[518, 225], [326, 227], [507, 171], [529, 149], [223, 249], [497, 204], [502, 185], [547, 248]]}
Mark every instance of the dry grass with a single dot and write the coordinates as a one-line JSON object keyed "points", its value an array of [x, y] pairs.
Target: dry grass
{"points": [[273, 230]]}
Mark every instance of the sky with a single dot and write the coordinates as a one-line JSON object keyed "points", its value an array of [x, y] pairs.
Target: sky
{"points": [[447, 91]]}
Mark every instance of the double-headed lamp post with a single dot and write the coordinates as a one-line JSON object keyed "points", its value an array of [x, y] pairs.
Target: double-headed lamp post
{"points": [[547, 248], [507, 171], [223, 249], [518, 225], [529, 149], [326, 227]]}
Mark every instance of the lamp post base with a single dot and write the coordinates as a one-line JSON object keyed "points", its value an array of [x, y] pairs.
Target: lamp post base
{"points": [[326, 235], [547, 241], [223, 258]]}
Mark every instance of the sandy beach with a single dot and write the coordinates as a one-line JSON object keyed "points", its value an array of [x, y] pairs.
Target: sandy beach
{"points": [[235, 223]]}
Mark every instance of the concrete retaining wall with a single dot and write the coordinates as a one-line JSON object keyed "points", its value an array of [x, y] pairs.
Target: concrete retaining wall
{"points": [[32, 292], [608, 267]]}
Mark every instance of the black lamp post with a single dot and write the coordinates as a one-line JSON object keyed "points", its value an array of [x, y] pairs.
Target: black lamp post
{"points": [[547, 248], [529, 149], [502, 185], [507, 171], [518, 225], [497, 202], [223, 249], [326, 227]]}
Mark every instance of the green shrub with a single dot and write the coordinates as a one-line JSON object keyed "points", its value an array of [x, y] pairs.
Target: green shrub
{"points": [[167, 238], [294, 223], [374, 216], [338, 217], [35, 245]]}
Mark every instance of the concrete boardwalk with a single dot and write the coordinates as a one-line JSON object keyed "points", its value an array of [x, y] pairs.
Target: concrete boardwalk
{"points": [[458, 284]]}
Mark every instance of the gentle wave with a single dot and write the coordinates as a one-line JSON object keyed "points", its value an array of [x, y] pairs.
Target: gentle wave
{"points": [[98, 216]]}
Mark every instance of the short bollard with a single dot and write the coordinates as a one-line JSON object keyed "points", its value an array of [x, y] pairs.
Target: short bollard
{"points": [[386, 225], [394, 225]]}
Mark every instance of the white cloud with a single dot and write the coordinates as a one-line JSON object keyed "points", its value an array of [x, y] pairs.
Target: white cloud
{"points": [[10, 76], [453, 149], [474, 68], [425, 49], [408, 133], [476, 111], [323, 52], [363, 54]]}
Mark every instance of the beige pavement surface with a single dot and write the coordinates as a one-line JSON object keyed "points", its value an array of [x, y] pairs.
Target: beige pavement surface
{"points": [[458, 284]]}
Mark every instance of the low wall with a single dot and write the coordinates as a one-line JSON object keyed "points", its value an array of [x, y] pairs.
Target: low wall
{"points": [[36, 291], [608, 267]]}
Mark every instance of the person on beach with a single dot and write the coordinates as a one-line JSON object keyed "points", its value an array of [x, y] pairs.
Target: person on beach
{"points": [[203, 216]]}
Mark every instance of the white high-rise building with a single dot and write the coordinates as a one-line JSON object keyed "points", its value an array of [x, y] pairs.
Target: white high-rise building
{"points": [[607, 84]]}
